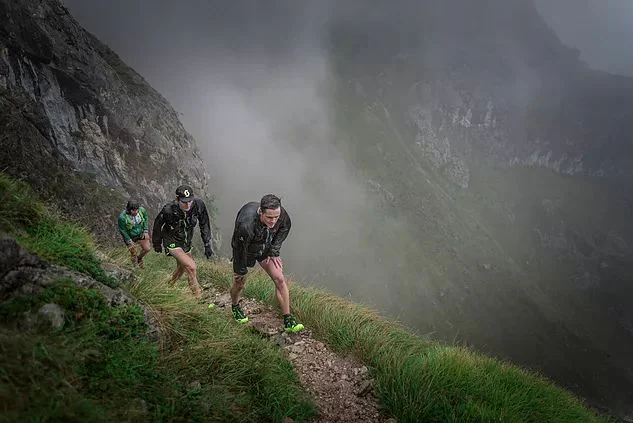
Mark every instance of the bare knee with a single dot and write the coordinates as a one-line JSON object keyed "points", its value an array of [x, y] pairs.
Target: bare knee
{"points": [[191, 267]]}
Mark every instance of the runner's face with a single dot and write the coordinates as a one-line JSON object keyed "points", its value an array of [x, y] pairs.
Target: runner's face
{"points": [[185, 205], [270, 216], [134, 212]]}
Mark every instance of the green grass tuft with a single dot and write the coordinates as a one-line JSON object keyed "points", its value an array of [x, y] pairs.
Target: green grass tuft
{"points": [[419, 379], [18, 207], [248, 378], [88, 369], [65, 244], [46, 235], [102, 367]]}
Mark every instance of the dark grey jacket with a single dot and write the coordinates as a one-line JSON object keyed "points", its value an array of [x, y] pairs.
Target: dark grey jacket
{"points": [[173, 225], [252, 240]]}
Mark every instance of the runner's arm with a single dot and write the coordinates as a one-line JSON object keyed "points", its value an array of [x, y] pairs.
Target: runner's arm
{"points": [[157, 230], [123, 230], [240, 247], [280, 237], [205, 225], [145, 216]]}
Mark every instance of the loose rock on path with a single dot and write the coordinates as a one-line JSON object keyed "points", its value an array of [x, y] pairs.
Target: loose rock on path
{"points": [[340, 386]]}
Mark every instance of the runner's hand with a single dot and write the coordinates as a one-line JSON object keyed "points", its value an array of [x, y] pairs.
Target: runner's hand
{"points": [[208, 252]]}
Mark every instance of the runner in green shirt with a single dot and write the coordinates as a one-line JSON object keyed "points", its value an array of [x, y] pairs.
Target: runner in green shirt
{"points": [[134, 228]]}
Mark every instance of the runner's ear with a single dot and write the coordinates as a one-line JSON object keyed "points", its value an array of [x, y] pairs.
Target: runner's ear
{"points": [[259, 210]]}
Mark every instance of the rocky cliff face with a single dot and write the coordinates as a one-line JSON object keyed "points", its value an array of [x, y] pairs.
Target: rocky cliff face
{"points": [[573, 126], [82, 126], [489, 82]]}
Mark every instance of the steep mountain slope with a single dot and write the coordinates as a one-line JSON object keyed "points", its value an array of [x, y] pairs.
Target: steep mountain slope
{"points": [[82, 126], [507, 160], [497, 163], [149, 351]]}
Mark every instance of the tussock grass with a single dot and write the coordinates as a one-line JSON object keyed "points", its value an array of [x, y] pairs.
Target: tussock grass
{"points": [[419, 379], [18, 208], [46, 235], [250, 373], [102, 367], [65, 244], [98, 367]]}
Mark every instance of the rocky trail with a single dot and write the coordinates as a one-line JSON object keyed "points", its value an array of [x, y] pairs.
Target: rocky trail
{"points": [[340, 386]]}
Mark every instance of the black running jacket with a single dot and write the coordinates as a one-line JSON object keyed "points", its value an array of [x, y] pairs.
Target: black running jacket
{"points": [[174, 225], [252, 239]]}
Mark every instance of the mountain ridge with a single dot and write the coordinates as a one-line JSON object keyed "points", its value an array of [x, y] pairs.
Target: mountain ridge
{"points": [[98, 121]]}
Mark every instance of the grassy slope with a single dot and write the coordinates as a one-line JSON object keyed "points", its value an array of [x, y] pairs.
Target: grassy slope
{"points": [[451, 233], [568, 238], [418, 379], [501, 264], [100, 367]]}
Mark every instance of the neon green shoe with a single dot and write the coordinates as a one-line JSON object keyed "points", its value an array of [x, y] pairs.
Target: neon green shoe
{"points": [[238, 314], [291, 325]]}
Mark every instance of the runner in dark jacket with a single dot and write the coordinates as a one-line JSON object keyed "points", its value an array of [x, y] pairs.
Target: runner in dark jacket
{"points": [[173, 231], [260, 229]]}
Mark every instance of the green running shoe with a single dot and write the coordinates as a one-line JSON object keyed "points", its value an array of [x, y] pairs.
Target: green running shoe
{"points": [[238, 314], [291, 325]]}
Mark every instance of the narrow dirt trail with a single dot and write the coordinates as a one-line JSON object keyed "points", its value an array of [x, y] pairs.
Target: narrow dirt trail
{"points": [[340, 386]]}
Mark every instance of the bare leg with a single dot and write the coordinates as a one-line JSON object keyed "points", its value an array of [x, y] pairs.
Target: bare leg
{"points": [[145, 248], [188, 265], [132, 249], [281, 288], [180, 270], [237, 288]]}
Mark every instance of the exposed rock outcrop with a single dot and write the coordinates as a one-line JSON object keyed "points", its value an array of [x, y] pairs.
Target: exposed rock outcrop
{"points": [[22, 273], [82, 126], [488, 82]]}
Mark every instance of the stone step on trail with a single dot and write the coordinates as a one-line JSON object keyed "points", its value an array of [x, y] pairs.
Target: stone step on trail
{"points": [[341, 387]]}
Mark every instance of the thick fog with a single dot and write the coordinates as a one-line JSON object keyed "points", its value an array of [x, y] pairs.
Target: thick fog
{"points": [[249, 81], [249, 78], [601, 29], [253, 83]]}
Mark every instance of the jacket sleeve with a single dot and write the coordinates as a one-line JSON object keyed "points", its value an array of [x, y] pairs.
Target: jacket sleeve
{"points": [[145, 219], [240, 244], [280, 237], [205, 225], [157, 229], [123, 229]]}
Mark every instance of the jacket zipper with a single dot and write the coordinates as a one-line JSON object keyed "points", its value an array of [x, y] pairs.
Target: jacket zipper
{"points": [[268, 236]]}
